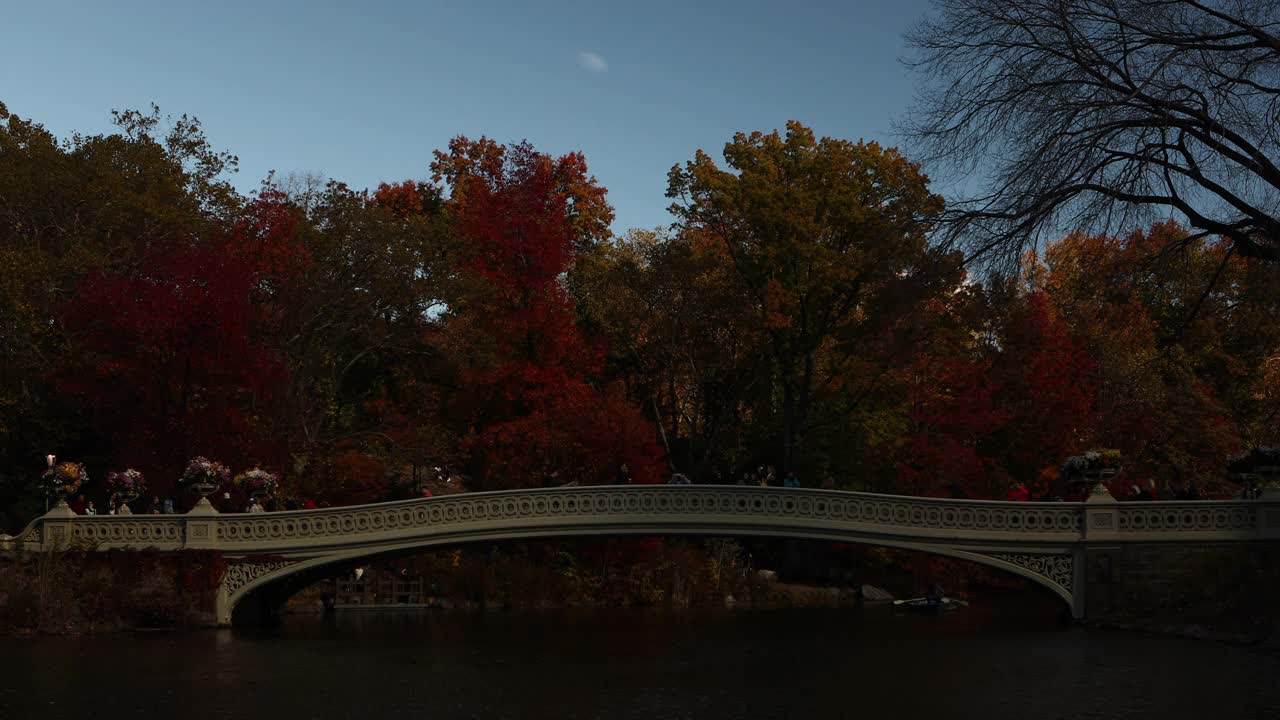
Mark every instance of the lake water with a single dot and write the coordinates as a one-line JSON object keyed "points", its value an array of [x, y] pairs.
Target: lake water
{"points": [[982, 662]]}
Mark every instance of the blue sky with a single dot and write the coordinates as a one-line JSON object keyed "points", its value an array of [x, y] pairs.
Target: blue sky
{"points": [[363, 92]]}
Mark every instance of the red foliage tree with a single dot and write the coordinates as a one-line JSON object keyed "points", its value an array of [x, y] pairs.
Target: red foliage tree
{"points": [[953, 409], [1008, 412], [538, 419], [1048, 388], [1180, 341], [167, 359]]}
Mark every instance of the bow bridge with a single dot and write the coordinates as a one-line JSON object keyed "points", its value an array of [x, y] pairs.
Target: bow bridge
{"points": [[1062, 546]]}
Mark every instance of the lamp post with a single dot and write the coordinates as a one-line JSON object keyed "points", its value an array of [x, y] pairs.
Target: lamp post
{"points": [[49, 460], [56, 481]]}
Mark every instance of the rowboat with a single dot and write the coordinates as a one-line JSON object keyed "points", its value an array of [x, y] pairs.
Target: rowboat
{"points": [[925, 605]]}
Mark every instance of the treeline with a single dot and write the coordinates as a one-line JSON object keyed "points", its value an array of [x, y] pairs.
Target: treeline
{"points": [[487, 323]]}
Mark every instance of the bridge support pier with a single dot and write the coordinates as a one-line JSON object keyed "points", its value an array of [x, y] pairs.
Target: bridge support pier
{"points": [[1079, 584], [222, 607]]}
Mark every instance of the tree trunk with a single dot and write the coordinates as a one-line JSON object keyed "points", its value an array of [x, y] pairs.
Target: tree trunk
{"points": [[788, 421]]}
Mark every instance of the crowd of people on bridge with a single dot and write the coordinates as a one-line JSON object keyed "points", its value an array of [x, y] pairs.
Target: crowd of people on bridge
{"points": [[1078, 490], [155, 505], [763, 476]]}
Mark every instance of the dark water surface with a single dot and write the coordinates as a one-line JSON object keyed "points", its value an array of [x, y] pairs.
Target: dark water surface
{"points": [[979, 663]]}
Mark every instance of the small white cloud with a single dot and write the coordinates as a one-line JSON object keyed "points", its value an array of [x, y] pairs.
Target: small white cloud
{"points": [[592, 62]]}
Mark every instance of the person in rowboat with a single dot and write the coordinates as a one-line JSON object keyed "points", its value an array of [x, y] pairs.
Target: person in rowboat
{"points": [[934, 594]]}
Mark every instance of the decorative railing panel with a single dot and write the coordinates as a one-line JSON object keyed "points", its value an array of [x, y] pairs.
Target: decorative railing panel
{"points": [[1188, 517], [145, 531]]}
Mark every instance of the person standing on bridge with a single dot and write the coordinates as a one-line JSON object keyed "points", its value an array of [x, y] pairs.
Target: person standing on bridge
{"points": [[1250, 491], [791, 480], [1019, 493], [1079, 491], [624, 475]]}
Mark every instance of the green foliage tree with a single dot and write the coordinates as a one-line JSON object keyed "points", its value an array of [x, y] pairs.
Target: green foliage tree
{"points": [[683, 338], [828, 239], [359, 330]]}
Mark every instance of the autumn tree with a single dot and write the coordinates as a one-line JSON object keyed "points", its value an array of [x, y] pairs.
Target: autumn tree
{"points": [[69, 209], [586, 209], [684, 339], [1000, 392], [1046, 388], [1182, 343], [170, 358], [948, 406], [357, 337], [828, 238], [533, 415]]}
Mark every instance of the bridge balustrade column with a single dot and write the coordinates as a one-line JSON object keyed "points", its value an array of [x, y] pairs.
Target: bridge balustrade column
{"points": [[1269, 517], [1101, 516], [201, 526], [56, 527], [1094, 592]]}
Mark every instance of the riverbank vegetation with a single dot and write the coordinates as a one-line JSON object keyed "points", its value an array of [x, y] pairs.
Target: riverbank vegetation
{"points": [[86, 592]]}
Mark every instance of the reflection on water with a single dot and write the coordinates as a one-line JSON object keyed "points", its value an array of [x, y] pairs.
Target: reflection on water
{"points": [[982, 663]]}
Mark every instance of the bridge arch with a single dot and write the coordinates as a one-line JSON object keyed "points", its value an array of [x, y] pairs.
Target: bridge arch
{"points": [[262, 585]]}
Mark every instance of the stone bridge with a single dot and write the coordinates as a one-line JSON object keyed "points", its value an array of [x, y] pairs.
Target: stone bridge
{"points": [[272, 554]]}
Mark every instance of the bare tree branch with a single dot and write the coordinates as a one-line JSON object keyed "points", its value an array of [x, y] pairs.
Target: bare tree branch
{"points": [[1097, 115]]}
